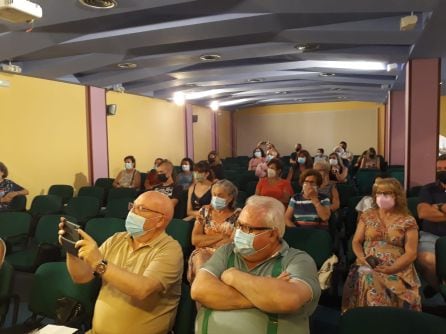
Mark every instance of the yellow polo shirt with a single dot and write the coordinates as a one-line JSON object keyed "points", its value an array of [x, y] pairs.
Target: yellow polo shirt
{"points": [[116, 312]]}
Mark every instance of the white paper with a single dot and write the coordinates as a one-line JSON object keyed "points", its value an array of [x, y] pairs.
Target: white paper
{"points": [[54, 329]]}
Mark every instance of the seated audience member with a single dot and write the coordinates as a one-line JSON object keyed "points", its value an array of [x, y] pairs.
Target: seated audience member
{"points": [[320, 156], [141, 270], [216, 165], [366, 202], [359, 161], [432, 211], [8, 189], [338, 172], [199, 193], [165, 182], [385, 245], [214, 225], [185, 178], [293, 155], [309, 208], [152, 176], [273, 185], [2, 252], [345, 155], [371, 160], [258, 156], [129, 177], [271, 150], [327, 187], [258, 280], [304, 161]]}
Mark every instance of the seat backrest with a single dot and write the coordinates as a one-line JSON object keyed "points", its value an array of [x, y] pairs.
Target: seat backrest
{"points": [[365, 179], [440, 256], [47, 228], [346, 191], [6, 277], [118, 207], [317, 243], [104, 182], [14, 224], [181, 231], [241, 199], [185, 318], [51, 282], [412, 203], [83, 208], [121, 193], [92, 191], [45, 205], [100, 229], [18, 203], [390, 320], [65, 191], [251, 188]]}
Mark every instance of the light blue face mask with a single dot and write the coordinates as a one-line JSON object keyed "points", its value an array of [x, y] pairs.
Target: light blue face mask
{"points": [[134, 224], [301, 160], [218, 203], [244, 243]]}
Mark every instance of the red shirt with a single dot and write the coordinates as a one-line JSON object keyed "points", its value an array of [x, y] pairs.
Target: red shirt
{"points": [[276, 190]]}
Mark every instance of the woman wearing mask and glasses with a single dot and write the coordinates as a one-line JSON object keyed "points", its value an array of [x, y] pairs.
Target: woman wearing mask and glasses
{"points": [[199, 193], [258, 157], [185, 178], [385, 244], [309, 208], [129, 177], [214, 225], [273, 185]]}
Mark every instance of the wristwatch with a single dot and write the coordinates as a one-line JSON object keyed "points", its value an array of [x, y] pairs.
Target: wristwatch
{"points": [[101, 267]]}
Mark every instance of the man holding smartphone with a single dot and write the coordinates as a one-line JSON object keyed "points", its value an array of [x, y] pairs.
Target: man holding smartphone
{"points": [[141, 270]]}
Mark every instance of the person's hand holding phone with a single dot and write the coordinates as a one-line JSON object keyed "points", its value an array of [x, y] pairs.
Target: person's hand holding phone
{"points": [[68, 236]]}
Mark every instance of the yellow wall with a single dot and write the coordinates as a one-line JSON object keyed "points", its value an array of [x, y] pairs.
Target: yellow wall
{"points": [[44, 133], [224, 134], [314, 125], [146, 128], [202, 133]]}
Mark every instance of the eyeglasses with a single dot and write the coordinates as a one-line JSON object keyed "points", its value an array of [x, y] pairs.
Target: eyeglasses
{"points": [[250, 229], [310, 181], [141, 208], [385, 193]]}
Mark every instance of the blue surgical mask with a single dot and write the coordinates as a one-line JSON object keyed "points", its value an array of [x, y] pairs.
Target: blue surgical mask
{"points": [[258, 154], [134, 224], [185, 168], [128, 165], [244, 243], [301, 160], [218, 203], [269, 157]]}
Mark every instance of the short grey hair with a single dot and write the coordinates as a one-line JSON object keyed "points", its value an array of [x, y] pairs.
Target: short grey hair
{"points": [[272, 211], [230, 189], [324, 164]]}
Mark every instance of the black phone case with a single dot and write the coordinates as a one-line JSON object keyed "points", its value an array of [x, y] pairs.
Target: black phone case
{"points": [[373, 261], [70, 237], [68, 245]]}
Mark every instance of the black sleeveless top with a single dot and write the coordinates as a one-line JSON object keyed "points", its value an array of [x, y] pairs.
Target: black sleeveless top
{"points": [[198, 202]]}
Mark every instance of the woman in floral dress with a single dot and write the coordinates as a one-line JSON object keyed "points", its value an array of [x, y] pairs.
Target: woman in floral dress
{"points": [[385, 245]]}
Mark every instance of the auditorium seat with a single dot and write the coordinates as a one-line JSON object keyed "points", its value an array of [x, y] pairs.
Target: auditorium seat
{"points": [[64, 191], [100, 229]]}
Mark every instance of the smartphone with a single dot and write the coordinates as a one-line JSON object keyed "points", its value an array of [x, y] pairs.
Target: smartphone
{"points": [[373, 261], [70, 237]]}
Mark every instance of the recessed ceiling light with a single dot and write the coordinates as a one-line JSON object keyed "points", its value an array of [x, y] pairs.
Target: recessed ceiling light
{"points": [[281, 92], [256, 80], [324, 74], [441, 83], [341, 97], [99, 4], [306, 47], [210, 57], [336, 89], [127, 65]]}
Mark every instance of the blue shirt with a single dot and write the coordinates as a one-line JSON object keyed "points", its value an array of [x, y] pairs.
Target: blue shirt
{"points": [[304, 210], [7, 186], [433, 193]]}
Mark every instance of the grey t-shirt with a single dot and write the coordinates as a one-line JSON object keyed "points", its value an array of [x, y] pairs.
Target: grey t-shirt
{"points": [[297, 263]]}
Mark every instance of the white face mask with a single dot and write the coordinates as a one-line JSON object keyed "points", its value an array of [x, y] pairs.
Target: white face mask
{"points": [[185, 168], [128, 165], [258, 154], [333, 162], [271, 172]]}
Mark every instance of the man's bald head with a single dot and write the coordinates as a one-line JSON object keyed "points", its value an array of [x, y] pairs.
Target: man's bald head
{"points": [[158, 202]]}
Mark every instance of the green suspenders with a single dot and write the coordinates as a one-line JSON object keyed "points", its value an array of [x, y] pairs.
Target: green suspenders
{"points": [[273, 318]]}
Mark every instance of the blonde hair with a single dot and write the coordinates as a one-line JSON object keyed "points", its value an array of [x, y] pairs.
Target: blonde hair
{"points": [[395, 187]]}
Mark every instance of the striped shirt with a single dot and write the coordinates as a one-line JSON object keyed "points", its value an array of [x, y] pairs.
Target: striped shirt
{"points": [[304, 210]]}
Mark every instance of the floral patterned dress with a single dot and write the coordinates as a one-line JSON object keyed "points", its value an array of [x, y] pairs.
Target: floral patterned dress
{"points": [[367, 287], [210, 227]]}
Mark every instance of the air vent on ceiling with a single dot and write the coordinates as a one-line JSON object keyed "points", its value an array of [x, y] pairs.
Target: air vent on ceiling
{"points": [[101, 4]]}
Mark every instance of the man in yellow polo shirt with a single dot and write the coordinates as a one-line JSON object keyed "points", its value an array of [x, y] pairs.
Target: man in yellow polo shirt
{"points": [[141, 271]]}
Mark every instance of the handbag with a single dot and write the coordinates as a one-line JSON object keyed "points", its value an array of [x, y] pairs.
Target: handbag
{"points": [[326, 272], [69, 312]]}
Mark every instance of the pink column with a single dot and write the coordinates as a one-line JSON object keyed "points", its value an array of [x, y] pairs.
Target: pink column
{"points": [[422, 120], [396, 128], [189, 131], [97, 133]]}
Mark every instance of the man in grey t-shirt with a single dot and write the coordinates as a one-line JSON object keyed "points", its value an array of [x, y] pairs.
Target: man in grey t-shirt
{"points": [[258, 284]]}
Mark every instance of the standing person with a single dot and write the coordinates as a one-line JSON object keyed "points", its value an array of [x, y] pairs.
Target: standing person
{"points": [[8, 189], [258, 157], [385, 245], [214, 225], [141, 270], [258, 283], [273, 185], [185, 178], [129, 177], [432, 210], [152, 178], [216, 165], [199, 194]]}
